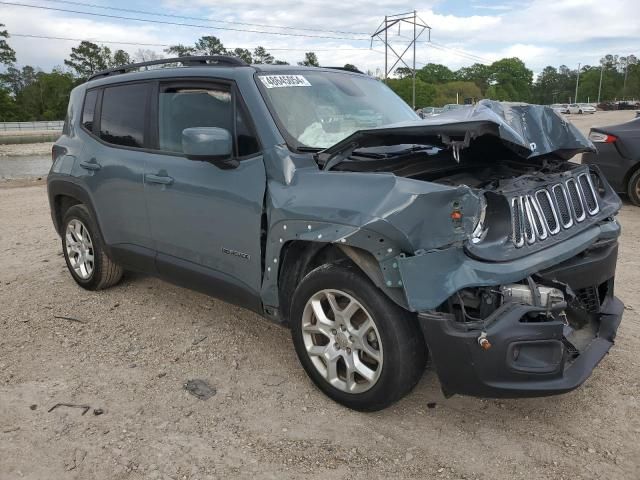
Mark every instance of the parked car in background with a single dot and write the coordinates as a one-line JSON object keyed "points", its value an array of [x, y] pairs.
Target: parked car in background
{"points": [[560, 107], [427, 111], [618, 156], [453, 106], [586, 108], [573, 108]]}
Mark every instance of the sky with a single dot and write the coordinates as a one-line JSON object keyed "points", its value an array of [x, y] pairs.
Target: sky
{"points": [[463, 32]]}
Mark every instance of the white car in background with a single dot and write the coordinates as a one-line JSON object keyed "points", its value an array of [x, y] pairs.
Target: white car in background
{"points": [[560, 107], [586, 108]]}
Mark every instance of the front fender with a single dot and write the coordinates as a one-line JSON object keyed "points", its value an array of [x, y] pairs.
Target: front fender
{"points": [[384, 215]]}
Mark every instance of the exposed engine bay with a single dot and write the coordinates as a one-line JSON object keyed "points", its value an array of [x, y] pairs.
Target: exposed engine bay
{"points": [[473, 167]]}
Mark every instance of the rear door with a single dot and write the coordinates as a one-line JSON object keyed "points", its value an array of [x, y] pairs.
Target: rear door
{"points": [[206, 221], [112, 163]]}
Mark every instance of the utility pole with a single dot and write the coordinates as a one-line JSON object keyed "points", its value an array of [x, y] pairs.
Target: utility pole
{"points": [[410, 18], [600, 86], [575, 97], [624, 85]]}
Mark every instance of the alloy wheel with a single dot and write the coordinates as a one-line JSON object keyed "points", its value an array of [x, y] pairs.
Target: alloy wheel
{"points": [[342, 341], [79, 247]]}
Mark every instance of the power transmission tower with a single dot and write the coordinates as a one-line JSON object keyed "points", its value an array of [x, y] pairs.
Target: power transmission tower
{"points": [[419, 26]]}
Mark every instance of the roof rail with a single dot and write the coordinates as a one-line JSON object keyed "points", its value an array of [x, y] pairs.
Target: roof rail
{"points": [[353, 70], [214, 60]]}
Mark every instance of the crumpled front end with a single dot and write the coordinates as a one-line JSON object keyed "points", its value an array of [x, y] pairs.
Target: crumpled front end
{"points": [[539, 337]]}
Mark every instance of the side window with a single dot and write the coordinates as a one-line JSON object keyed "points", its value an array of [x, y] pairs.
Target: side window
{"points": [[187, 107], [180, 108], [89, 109], [123, 115]]}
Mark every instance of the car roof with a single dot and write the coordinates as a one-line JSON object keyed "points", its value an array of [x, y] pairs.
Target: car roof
{"points": [[225, 70]]}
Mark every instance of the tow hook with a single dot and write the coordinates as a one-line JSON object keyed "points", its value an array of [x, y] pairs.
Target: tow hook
{"points": [[483, 341]]}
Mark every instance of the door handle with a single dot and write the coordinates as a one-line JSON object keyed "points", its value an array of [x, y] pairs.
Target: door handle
{"points": [[162, 180], [91, 165]]}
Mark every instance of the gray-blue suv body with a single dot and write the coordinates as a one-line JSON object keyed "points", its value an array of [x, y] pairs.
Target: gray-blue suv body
{"points": [[317, 198]]}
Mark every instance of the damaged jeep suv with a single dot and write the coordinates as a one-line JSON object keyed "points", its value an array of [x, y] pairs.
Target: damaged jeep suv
{"points": [[317, 198]]}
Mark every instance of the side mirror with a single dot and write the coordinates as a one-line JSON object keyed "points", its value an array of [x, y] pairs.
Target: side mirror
{"points": [[209, 144]]}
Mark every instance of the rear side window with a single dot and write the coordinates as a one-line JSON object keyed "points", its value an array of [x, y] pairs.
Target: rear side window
{"points": [[89, 109], [122, 120]]}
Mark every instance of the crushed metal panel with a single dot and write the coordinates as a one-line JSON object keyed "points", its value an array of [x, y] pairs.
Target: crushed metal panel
{"points": [[528, 130]]}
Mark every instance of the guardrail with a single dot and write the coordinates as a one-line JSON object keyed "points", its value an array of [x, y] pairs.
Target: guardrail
{"points": [[15, 127]]}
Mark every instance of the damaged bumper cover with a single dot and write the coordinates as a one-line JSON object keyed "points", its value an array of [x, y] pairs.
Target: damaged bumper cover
{"points": [[525, 358], [432, 277]]}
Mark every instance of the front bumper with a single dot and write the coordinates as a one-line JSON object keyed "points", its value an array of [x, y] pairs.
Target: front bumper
{"points": [[528, 359]]}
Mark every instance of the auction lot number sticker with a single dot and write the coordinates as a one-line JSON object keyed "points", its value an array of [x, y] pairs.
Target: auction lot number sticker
{"points": [[278, 81]]}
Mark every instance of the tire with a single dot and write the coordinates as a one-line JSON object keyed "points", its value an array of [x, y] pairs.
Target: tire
{"points": [[633, 189], [580, 112], [397, 363], [80, 240]]}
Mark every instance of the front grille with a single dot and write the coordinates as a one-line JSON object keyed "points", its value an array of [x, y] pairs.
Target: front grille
{"points": [[551, 209]]}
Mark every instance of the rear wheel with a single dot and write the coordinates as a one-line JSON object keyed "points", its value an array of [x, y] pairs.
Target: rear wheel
{"points": [[84, 253], [633, 189], [357, 346]]}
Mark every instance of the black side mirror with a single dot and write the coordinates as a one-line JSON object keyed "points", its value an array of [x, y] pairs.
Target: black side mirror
{"points": [[209, 144]]}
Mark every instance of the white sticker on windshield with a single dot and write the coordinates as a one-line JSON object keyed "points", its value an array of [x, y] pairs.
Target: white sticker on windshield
{"points": [[277, 81]]}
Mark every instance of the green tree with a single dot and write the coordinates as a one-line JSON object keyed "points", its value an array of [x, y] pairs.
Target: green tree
{"points": [[120, 57], [404, 72], [310, 60], [403, 87], [456, 91], [8, 109], [261, 56], [435, 73], [477, 73], [46, 98], [510, 80], [243, 54], [180, 51], [7, 54], [280, 62], [15, 80], [88, 58], [210, 45]]}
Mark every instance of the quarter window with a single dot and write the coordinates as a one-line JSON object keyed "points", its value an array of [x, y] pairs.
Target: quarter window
{"points": [[122, 119], [89, 109]]}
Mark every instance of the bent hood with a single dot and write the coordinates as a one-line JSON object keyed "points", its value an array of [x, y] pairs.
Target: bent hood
{"points": [[528, 130]]}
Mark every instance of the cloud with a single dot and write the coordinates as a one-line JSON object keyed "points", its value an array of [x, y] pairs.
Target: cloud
{"points": [[541, 32]]}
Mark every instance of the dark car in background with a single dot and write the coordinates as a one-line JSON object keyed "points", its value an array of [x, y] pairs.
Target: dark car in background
{"points": [[618, 156]]}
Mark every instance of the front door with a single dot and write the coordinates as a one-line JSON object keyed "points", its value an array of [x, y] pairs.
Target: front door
{"points": [[206, 221]]}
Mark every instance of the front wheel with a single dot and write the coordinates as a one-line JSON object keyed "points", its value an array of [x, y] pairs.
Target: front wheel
{"points": [[356, 345], [633, 188]]}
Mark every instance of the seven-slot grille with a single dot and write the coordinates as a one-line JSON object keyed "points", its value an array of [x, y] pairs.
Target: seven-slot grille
{"points": [[547, 211]]}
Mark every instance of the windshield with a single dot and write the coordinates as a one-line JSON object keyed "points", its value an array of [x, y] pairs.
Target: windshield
{"points": [[318, 109]]}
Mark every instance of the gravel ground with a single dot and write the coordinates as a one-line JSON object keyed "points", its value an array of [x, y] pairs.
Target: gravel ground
{"points": [[129, 350], [25, 149]]}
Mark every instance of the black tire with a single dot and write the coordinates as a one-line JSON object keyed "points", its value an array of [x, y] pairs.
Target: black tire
{"points": [[580, 112], [633, 189], [105, 272], [405, 352]]}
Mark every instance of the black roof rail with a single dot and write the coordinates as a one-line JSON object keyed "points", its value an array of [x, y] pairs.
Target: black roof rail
{"points": [[353, 70], [214, 60]]}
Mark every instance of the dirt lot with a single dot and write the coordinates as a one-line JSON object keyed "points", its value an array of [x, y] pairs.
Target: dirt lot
{"points": [[132, 348]]}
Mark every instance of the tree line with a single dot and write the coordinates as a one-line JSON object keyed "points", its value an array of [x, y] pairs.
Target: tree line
{"points": [[29, 93], [509, 79]]}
